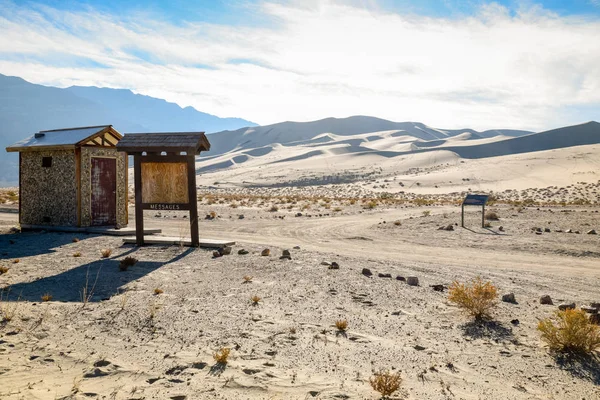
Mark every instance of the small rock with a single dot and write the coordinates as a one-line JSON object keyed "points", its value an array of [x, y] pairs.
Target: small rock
{"points": [[509, 298], [401, 278], [438, 288], [515, 322], [569, 231], [243, 252], [296, 247], [501, 228], [546, 299], [566, 306], [547, 230], [217, 254], [325, 263], [589, 310], [225, 251], [286, 255], [538, 232], [265, 252], [334, 265], [419, 347], [241, 216], [412, 281], [382, 275], [592, 232], [595, 305], [367, 272], [298, 214]]}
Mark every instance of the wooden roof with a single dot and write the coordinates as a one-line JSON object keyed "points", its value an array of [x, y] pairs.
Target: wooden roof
{"points": [[173, 142], [70, 138]]}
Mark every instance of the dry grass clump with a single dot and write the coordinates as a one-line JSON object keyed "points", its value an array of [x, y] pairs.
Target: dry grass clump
{"points": [[397, 223], [106, 253], [572, 332], [213, 214], [158, 291], [370, 205], [386, 383], [77, 254], [255, 299], [476, 297], [127, 262], [274, 208], [16, 261], [341, 325], [247, 279], [222, 355], [75, 240], [426, 213], [491, 216], [3, 270], [47, 297]]}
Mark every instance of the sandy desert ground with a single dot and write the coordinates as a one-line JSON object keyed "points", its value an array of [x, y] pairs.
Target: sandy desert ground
{"points": [[127, 342]]}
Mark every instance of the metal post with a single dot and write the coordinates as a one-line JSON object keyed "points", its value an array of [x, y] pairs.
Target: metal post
{"points": [[193, 200], [483, 216], [462, 216]]}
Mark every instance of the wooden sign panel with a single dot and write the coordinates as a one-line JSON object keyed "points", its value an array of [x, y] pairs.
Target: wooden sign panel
{"points": [[165, 186], [475, 200]]}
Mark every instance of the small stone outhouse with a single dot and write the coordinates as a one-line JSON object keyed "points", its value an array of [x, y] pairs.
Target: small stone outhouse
{"points": [[72, 177]]}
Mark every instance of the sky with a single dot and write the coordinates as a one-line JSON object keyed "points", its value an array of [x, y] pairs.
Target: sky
{"points": [[531, 65]]}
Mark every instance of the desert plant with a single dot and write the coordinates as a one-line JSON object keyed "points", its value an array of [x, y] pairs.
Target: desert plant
{"points": [[153, 309], [274, 208], [491, 216], [476, 297], [337, 209], [75, 240], [426, 213], [255, 299], [247, 279], [487, 225], [77, 254], [385, 382], [3, 270], [222, 355], [87, 292], [106, 253], [572, 332], [341, 325], [16, 261], [47, 297], [371, 205], [397, 223], [127, 262], [158, 291], [213, 214]]}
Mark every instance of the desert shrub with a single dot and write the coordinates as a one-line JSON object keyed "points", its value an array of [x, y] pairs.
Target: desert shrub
{"points": [[491, 216], [572, 332], [371, 205], [476, 297], [386, 383], [397, 223], [337, 209], [341, 325], [247, 279], [106, 253], [213, 214], [158, 291], [222, 355], [487, 225], [274, 208], [127, 262], [16, 261], [77, 254], [3, 270], [75, 240], [426, 213], [255, 299], [47, 297]]}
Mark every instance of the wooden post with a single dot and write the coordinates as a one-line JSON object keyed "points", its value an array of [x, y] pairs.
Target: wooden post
{"points": [[20, 187], [483, 216], [139, 212], [462, 216], [193, 199]]}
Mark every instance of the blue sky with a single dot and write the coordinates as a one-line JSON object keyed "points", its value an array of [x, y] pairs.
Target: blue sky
{"points": [[481, 64]]}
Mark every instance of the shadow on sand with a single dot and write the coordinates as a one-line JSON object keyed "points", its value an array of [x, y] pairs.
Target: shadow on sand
{"points": [[101, 280], [582, 366], [27, 244], [494, 330]]}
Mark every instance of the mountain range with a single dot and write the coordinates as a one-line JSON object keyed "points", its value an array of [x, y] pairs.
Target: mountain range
{"points": [[26, 108]]}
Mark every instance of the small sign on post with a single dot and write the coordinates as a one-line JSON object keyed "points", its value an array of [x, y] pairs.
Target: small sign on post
{"points": [[474, 200], [164, 166]]}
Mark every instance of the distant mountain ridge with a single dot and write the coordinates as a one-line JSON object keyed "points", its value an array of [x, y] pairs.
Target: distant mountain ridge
{"points": [[26, 108]]}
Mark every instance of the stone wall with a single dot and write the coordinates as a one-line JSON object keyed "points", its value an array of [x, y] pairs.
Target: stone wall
{"points": [[48, 195], [86, 190]]}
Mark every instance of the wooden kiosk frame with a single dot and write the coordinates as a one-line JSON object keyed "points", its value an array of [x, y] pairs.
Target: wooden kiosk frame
{"points": [[164, 166], [474, 200]]}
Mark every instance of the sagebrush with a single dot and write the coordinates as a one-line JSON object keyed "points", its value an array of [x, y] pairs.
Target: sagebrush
{"points": [[386, 383], [222, 355], [477, 297], [571, 331]]}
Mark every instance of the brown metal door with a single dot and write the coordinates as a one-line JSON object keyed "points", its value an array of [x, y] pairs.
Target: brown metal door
{"points": [[104, 191]]}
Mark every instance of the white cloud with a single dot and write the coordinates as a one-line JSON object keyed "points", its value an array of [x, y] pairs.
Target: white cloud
{"points": [[326, 59]]}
